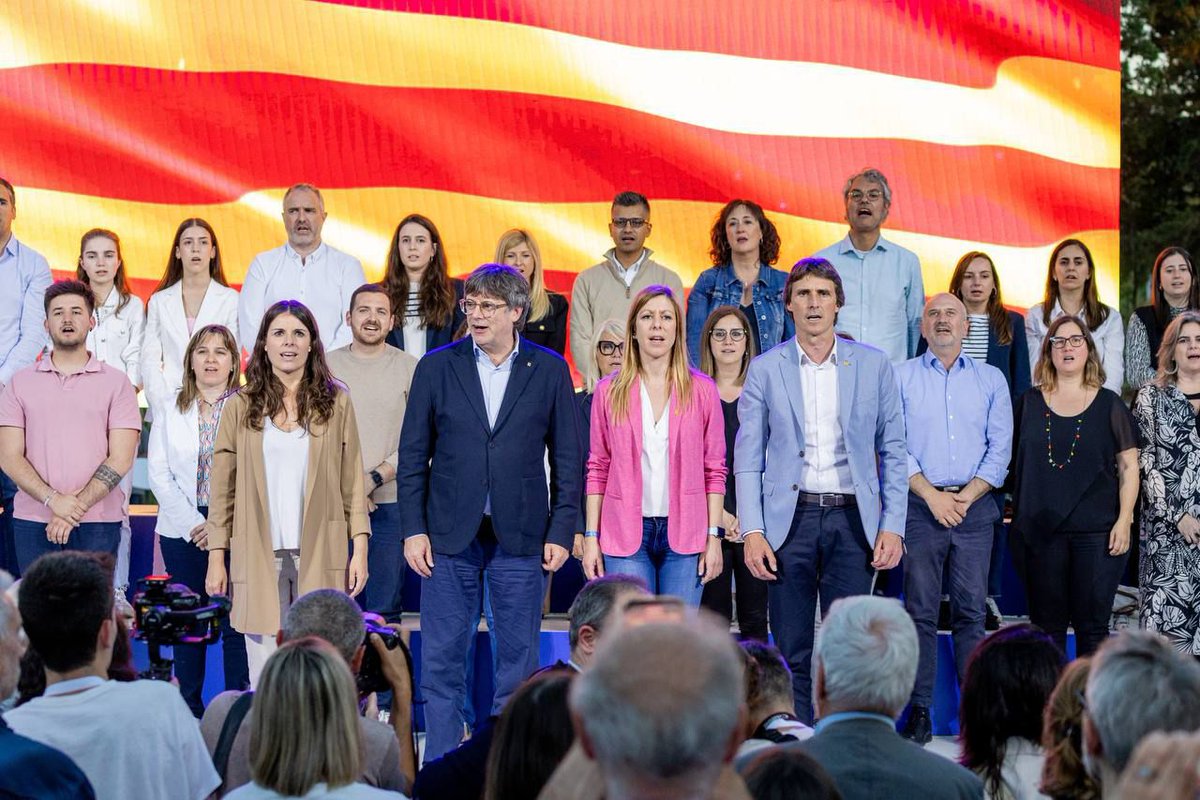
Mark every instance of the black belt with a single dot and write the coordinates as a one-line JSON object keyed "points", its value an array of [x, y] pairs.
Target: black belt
{"points": [[950, 489], [829, 500]]}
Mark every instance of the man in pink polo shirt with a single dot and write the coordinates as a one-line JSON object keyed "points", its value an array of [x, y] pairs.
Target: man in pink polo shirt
{"points": [[69, 429]]}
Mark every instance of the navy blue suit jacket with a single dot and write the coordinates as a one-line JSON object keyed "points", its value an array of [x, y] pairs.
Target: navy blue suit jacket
{"points": [[30, 769], [450, 459], [434, 337]]}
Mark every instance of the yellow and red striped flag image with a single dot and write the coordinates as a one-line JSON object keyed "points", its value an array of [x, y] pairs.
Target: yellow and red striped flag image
{"points": [[996, 121]]}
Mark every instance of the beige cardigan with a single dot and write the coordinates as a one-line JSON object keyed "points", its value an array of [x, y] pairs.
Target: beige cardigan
{"points": [[335, 510]]}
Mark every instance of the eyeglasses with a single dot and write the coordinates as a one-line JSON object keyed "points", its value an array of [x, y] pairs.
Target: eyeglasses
{"points": [[1059, 342], [486, 308], [874, 195], [629, 222], [608, 348], [735, 334]]}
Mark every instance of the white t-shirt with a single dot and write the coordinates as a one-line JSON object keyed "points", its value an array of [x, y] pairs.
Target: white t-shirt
{"points": [[285, 460], [132, 740], [414, 326], [656, 436], [354, 791]]}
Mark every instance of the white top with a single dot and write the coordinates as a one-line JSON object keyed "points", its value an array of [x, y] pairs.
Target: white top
{"points": [[1109, 338], [131, 739], [116, 339], [414, 326], [656, 437], [826, 466], [354, 791], [976, 344], [167, 336], [285, 461], [324, 282], [1021, 771], [173, 456]]}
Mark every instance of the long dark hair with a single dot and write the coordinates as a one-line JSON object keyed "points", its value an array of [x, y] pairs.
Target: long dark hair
{"points": [[532, 737], [1009, 679], [436, 297], [174, 271], [721, 253], [1094, 312], [264, 392], [1158, 299], [998, 318], [120, 279]]}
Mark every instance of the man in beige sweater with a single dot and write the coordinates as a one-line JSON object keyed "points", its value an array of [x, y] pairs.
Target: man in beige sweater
{"points": [[606, 290], [378, 376]]}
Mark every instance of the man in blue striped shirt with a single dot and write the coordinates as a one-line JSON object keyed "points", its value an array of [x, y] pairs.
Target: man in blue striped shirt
{"points": [[958, 415]]}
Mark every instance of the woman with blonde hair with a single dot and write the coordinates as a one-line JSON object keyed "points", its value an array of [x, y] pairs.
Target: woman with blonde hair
{"points": [[547, 321], [656, 470], [305, 739]]}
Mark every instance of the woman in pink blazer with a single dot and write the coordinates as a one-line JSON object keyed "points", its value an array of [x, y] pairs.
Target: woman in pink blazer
{"points": [[656, 471]]}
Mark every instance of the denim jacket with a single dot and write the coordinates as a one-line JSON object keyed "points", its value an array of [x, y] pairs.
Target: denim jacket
{"points": [[719, 286]]}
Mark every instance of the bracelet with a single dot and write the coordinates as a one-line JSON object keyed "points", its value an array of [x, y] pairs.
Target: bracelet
{"points": [[714, 531], [49, 497], [591, 534]]}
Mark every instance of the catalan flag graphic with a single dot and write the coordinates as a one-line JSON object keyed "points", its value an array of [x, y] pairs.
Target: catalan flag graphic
{"points": [[996, 121]]}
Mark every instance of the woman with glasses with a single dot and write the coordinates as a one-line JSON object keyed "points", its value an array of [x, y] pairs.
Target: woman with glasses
{"points": [[725, 357], [1071, 290], [1173, 290], [744, 245], [1075, 482], [425, 298], [547, 322], [656, 467], [1166, 412]]}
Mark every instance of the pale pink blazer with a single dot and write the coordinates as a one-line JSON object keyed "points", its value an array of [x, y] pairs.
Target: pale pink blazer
{"points": [[696, 464]]}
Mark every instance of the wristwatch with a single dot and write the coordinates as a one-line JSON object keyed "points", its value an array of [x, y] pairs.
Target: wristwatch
{"points": [[714, 531], [375, 476]]}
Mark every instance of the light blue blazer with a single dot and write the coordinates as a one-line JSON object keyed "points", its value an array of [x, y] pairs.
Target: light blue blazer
{"points": [[769, 450]]}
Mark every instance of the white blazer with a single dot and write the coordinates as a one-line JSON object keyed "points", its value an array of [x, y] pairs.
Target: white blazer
{"points": [[167, 336], [116, 339], [174, 453]]}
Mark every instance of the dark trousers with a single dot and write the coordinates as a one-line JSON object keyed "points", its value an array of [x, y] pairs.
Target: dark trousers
{"points": [[188, 565], [450, 603], [8, 550], [751, 594], [995, 578], [826, 554], [1071, 580], [964, 551], [31, 542], [385, 563]]}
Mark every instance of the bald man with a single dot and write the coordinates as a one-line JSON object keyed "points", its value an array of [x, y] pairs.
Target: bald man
{"points": [[958, 415]]}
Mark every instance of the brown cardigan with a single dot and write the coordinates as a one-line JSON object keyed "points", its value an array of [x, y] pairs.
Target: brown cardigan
{"points": [[335, 510]]}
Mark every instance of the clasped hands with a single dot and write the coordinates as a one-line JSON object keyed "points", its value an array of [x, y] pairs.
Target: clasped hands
{"points": [[68, 511]]}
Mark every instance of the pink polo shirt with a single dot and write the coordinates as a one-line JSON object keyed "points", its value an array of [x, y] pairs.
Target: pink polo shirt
{"points": [[66, 419]]}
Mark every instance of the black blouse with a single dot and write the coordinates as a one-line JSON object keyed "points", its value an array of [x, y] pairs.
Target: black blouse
{"points": [[1080, 491], [729, 410], [551, 330]]}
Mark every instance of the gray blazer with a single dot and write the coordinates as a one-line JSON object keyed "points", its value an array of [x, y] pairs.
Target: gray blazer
{"points": [[769, 450]]}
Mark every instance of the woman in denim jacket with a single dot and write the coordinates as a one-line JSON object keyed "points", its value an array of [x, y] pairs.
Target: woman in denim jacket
{"points": [[744, 244]]}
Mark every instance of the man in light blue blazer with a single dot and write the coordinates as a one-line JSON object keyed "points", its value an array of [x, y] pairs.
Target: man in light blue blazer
{"points": [[821, 468]]}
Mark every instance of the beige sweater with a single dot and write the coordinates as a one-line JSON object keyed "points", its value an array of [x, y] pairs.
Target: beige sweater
{"points": [[379, 394], [600, 293]]}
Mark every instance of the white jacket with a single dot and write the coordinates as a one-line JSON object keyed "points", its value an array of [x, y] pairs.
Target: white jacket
{"points": [[167, 336], [174, 453], [117, 338]]}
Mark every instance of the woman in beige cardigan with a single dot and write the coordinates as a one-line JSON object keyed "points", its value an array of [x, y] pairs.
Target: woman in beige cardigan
{"points": [[287, 483]]}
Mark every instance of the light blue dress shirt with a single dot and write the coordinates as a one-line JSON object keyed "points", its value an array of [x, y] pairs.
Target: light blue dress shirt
{"points": [[24, 276], [493, 379], [884, 296], [960, 423]]}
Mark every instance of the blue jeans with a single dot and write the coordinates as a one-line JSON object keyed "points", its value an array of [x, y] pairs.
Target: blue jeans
{"points": [[8, 551], [826, 554], [966, 551], [31, 542], [188, 565], [385, 564], [663, 570]]}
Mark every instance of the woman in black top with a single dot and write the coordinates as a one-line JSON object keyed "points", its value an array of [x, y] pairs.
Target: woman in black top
{"points": [[1173, 289], [1075, 484], [727, 344], [547, 321]]}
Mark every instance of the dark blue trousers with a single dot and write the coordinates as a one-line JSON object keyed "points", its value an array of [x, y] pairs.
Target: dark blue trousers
{"points": [[385, 563], [30, 540], [964, 551], [8, 550], [826, 554]]}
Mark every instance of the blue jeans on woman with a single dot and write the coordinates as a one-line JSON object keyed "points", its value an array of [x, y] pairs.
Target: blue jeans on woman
{"points": [[663, 570]]}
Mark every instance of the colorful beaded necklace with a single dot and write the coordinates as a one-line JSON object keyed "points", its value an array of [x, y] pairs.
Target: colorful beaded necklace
{"points": [[1050, 443]]}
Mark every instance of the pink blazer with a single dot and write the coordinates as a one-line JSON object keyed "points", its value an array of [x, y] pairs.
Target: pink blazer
{"points": [[696, 463]]}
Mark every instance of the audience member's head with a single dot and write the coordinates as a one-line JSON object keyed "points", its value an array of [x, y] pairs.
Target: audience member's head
{"points": [[1139, 684], [12, 639], [660, 709], [66, 604], [532, 736], [304, 720], [332, 617], [785, 773], [592, 611], [1063, 775], [1009, 679], [865, 658], [768, 683]]}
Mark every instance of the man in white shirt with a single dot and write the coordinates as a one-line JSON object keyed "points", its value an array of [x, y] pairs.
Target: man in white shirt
{"points": [[304, 269], [130, 739]]}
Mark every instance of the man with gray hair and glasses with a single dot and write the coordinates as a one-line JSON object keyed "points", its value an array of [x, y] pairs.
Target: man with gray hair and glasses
{"points": [[1138, 685], [884, 288], [865, 666]]}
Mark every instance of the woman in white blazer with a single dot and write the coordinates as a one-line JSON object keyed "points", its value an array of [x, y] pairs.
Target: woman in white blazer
{"points": [[181, 452], [193, 293]]}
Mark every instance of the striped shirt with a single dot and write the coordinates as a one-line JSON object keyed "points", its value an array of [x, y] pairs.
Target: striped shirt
{"points": [[976, 344]]}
